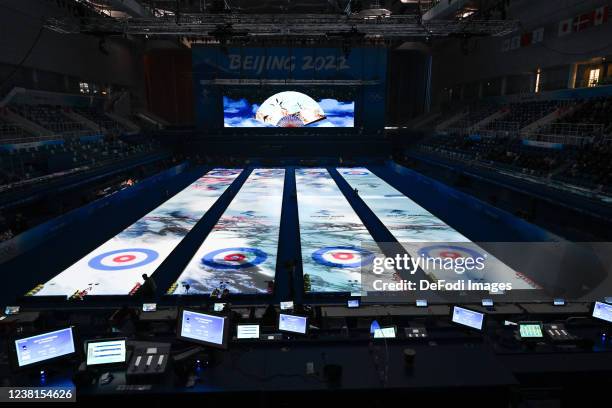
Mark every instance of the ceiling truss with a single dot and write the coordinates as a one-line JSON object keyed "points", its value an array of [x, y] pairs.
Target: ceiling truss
{"points": [[283, 26]]}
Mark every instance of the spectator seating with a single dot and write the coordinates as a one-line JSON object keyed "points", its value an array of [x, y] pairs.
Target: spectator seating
{"points": [[591, 119], [522, 114], [32, 162], [50, 117], [101, 119]]}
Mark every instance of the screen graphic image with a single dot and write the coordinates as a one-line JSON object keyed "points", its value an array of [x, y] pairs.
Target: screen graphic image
{"points": [[292, 323], [42, 347], [106, 352], [239, 254], [530, 330], [468, 318], [203, 328], [116, 266], [287, 109], [602, 311]]}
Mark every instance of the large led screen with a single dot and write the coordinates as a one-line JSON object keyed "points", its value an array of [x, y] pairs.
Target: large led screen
{"points": [[332, 235], [116, 267], [287, 109], [240, 252], [423, 234]]}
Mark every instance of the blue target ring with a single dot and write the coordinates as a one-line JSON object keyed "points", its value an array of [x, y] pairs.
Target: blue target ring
{"points": [[270, 173], [222, 173], [313, 172], [424, 252], [260, 256], [96, 262], [367, 257]]}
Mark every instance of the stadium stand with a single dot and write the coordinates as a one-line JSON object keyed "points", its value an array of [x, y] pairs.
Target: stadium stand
{"points": [[50, 117], [521, 114], [69, 155], [592, 118], [101, 119]]}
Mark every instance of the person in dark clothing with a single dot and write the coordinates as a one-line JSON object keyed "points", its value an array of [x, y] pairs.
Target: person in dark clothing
{"points": [[148, 290]]}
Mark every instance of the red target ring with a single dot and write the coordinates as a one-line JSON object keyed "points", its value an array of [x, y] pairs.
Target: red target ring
{"points": [[234, 257], [344, 256], [450, 254], [124, 258]]}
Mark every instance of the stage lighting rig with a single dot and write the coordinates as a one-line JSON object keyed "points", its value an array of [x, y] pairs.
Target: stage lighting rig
{"points": [[224, 33], [347, 40], [219, 6], [284, 27]]}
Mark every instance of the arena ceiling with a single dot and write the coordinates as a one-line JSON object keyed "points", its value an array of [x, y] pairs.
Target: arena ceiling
{"points": [[282, 20]]}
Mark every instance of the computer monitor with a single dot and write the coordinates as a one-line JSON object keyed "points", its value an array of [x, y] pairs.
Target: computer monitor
{"points": [[602, 311], [247, 331], [45, 347], [487, 302], [385, 333], [288, 305], [559, 302], [530, 330], [11, 310], [468, 318], [353, 303], [292, 323], [105, 351], [203, 328], [421, 303], [149, 307], [219, 307]]}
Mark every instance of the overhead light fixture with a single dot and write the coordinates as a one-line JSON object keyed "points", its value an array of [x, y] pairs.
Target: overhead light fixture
{"points": [[375, 11]]}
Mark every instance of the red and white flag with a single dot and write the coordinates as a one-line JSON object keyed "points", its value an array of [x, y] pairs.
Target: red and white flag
{"points": [[565, 27], [584, 21], [526, 39], [601, 16]]}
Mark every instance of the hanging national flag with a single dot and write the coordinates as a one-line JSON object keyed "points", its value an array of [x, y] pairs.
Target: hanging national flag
{"points": [[526, 39], [506, 45], [515, 42], [538, 35], [565, 27], [601, 16], [584, 21]]}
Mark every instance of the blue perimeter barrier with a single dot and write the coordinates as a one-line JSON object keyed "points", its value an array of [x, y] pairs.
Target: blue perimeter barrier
{"points": [[39, 234], [477, 220]]}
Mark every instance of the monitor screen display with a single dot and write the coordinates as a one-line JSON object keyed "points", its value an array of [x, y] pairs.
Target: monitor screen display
{"points": [[353, 303], [468, 318], [421, 303], [203, 328], [219, 307], [286, 305], [247, 331], [602, 311], [559, 302], [530, 330], [11, 310], [384, 333], [106, 352], [292, 323], [43, 347], [149, 307], [287, 109], [487, 302]]}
